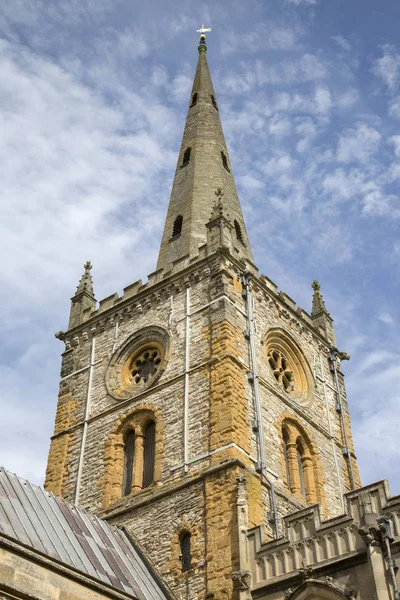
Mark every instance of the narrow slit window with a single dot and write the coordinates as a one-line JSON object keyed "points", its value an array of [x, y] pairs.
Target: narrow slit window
{"points": [[225, 161], [194, 100], [128, 463], [149, 454], [301, 473], [186, 157], [186, 557], [177, 228], [238, 232], [214, 102], [285, 453]]}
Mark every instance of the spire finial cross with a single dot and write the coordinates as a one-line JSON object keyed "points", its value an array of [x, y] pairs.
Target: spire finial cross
{"points": [[203, 29], [87, 266]]}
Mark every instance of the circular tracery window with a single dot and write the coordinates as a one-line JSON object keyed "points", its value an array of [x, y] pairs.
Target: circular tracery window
{"points": [[288, 365], [139, 363], [282, 373], [145, 365]]}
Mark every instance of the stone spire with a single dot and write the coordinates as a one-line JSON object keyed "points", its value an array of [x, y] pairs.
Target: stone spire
{"points": [[203, 166], [84, 302], [320, 315]]}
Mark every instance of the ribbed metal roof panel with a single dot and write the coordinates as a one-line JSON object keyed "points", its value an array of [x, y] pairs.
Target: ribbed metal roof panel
{"points": [[71, 535]]}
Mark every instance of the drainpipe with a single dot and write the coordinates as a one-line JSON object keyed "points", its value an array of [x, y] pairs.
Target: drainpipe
{"points": [[85, 424], [387, 529], [333, 355], [333, 444], [186, 385], [253, 378]]}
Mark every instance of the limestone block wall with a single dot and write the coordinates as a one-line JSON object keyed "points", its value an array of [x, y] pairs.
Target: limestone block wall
{"points": [[201, 313], [346, 554]]}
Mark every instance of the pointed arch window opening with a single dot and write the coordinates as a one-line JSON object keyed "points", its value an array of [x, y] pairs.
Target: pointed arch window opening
{"points": [[301, 469], [185, 556], [194, 100], [129, 454], [214, 102], [238, 231], [177, 226], [285, 453], [225, 161], [186, 157], [149, 454]]}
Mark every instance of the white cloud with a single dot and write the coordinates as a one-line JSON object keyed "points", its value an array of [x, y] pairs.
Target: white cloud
{"points": [[298, 2], [394, 107], [388, 67], [358, 145], [386, 318], [395, 142], [348, 99], [342, 42]]}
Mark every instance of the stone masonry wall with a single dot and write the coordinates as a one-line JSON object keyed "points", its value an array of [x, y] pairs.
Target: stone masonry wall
{"points": [[221, 412]]}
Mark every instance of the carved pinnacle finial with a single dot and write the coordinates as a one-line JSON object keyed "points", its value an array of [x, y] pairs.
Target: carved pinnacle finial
{"points": [[219, 193], [315, 285], [86, 283]]}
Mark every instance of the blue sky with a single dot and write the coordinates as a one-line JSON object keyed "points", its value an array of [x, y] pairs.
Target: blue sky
{"points": [[92, 108]]}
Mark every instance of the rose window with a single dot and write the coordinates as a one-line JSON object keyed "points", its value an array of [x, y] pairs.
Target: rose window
{"points": [[288, 365], [145, 365], [282, 372]]}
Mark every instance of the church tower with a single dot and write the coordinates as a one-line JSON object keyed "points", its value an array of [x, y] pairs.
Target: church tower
{"points": [[204, 402]]}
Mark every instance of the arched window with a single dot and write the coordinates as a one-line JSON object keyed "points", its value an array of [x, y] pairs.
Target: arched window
{"points": [[214, 102], [285, 438], [186, 157], [301, 464], [194, 100], [133, 455], [129, 453], [301, 469], [186, 557], [225, 161], [177, 227], [149, 454], [238, 232]]}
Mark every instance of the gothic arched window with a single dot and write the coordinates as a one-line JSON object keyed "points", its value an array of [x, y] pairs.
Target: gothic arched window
{"points": [[186, 157], [238, 232], [177, 227], [149, 454], [300, 462], [225, 161], [186, 557], [301, 468], [129, 453], [194, 100], [214, 102], [133, 455], [285, 440]]}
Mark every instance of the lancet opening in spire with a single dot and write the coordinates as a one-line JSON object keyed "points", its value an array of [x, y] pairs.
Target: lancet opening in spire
{"points": [[207, 168]]}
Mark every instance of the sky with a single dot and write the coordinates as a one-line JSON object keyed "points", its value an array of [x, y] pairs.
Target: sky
{"points": [[93, 102]]}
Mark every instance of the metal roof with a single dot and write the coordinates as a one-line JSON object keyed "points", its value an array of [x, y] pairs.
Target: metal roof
{"points": [[59, 529]]}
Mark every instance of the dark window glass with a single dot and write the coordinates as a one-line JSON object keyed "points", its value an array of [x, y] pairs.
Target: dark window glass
{"points": [[177, 228], [194, 100], [186, 557], [214, 102], [186, 157], [238, 232], [128, 463], [149, 452], [225, 161], [285, 452], [301, 473]]}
